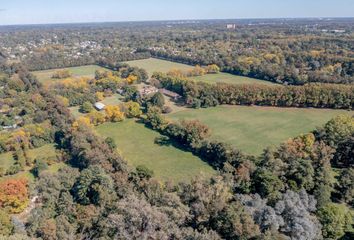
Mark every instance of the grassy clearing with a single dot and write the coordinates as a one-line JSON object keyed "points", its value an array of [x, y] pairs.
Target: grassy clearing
{"points": [[7, 160], [82, 71], [252, 129], [137, 145], [230, 79], [152, 65], [115, 99]]}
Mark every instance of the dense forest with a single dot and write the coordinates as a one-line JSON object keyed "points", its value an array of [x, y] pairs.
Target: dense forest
{"points": [[284, 51]]}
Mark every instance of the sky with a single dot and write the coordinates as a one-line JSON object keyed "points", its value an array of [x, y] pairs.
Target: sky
{"points": [[72, 11]]}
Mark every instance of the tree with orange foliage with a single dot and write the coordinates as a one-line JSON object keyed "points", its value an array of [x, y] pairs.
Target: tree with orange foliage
{"points": [[14, 195], [177, 73]]}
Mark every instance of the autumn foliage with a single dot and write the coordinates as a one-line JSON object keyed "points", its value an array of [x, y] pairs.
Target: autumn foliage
{"points": [[114, 114], [13, 195]]}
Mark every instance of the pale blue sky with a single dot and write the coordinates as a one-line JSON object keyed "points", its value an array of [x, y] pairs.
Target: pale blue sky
{"points": [[64, 11]]}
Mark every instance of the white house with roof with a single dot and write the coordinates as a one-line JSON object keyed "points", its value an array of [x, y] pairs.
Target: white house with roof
{"points": [[99, 106]]}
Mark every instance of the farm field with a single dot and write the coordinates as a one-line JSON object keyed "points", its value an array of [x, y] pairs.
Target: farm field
{"points": [[82, 71], [152, 65], [137, 145], [252, 129], [230, 79]]}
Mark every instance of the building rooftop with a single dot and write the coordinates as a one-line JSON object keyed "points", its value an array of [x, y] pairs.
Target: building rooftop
{"points": [[99, 106]]}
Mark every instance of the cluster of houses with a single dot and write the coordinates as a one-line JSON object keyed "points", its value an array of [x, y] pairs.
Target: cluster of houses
{"points": [[149, 90], [22, 51], [5, 109]]}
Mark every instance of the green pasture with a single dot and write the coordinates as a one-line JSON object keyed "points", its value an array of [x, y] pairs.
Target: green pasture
{"points": [[252, 129], [136, 142]]}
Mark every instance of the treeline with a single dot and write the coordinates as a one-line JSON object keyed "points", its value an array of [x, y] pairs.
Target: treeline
{"points": [[199, 94], [57, 59], [273, 67]]}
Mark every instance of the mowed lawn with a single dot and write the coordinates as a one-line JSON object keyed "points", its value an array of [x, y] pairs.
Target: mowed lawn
{"points": [[230, 79], [82, 71], [136, 142], [152, 65], [252, 129]]}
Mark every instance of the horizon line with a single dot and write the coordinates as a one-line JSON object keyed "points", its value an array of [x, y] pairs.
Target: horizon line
{"points": [[168, 20]]}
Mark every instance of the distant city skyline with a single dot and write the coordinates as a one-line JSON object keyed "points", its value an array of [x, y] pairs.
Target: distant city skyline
{"points": [[79, 11]]}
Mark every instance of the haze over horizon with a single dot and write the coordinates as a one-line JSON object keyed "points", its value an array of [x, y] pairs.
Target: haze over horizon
{"points": [[81, 11]]}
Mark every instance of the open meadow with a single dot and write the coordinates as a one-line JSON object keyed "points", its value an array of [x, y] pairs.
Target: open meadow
{"points": [[230, 79], [136, 143], [252, 129], [48, 151], [152, 65], [82, 71]]}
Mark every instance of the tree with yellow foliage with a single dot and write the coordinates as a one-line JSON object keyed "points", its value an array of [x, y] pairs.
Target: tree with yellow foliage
{"points": [[96, 118], [132, 109], [82, 121], [212, 69], [82, 82], [197, 71], [131, 79], [62, 100], [19, 138], [99, 96], [60, 74], [114, 114]]}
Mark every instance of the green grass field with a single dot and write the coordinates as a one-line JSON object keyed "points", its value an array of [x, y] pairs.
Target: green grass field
{"points": [[136, 143], [7, 160], [252, 129], [230, 79], [152, 65], [82, 71]]}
